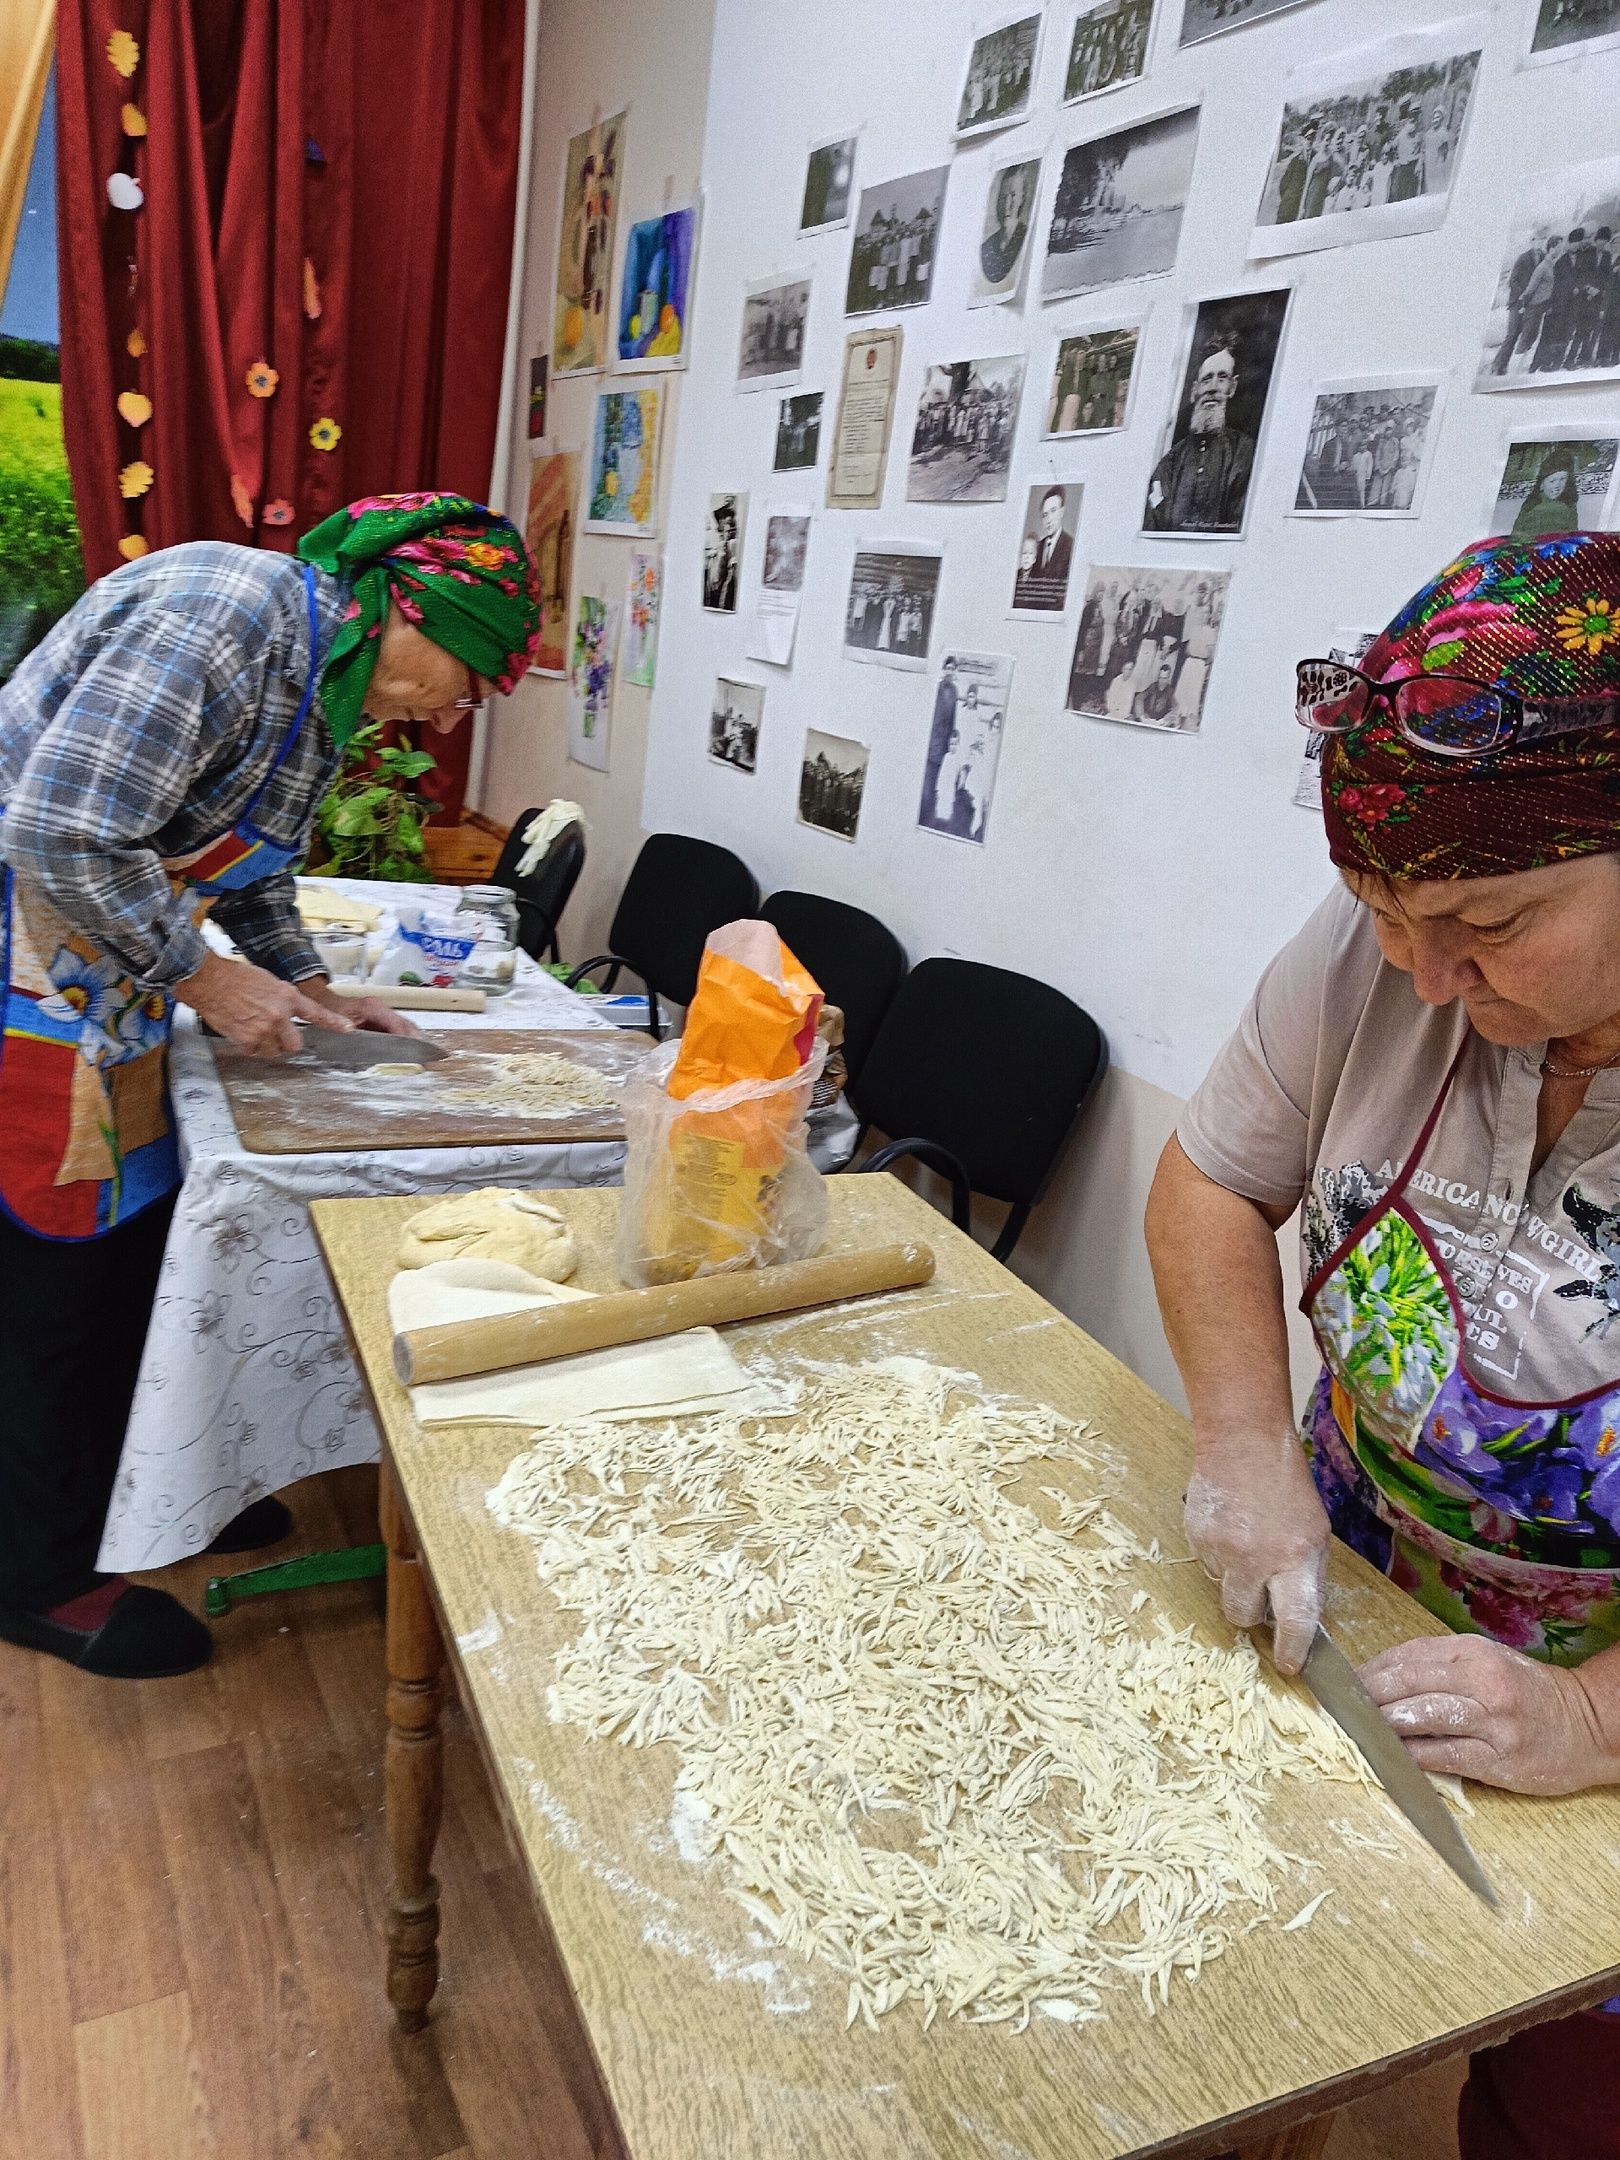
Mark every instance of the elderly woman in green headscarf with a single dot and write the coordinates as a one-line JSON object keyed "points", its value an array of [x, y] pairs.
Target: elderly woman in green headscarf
{"points": [[162, 756]]}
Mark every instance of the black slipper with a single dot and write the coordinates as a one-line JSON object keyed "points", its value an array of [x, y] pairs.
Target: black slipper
{"points": [[266, 1522], [139, 1634]]}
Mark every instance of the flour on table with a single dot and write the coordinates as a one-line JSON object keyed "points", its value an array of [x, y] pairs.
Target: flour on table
{"points": [[918, 1728], [536, 1082]]}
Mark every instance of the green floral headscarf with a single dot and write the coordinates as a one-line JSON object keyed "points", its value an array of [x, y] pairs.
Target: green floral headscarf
{"points": [[461, 574]]}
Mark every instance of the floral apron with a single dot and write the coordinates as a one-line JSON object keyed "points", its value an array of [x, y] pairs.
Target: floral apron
{"points": [[1477, 1504], [87, 1135]]}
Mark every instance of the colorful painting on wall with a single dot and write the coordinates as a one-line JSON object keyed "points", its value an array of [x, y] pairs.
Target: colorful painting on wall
{"points": [[655, 291], [590, 699], [590, 204], [549, 530], [624, 462]]}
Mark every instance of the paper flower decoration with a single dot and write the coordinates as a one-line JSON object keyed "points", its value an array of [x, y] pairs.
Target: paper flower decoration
{"points": [[134, 408], [279, 512], [132, 120], [135, 479], [261, 379], [124, 53], [124, 191], [325, 434], [132, 547], [241, 502], [312, 291], [135, 345]]}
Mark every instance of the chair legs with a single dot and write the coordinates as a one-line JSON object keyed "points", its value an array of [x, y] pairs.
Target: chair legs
{"points": [[1011, 1231]]}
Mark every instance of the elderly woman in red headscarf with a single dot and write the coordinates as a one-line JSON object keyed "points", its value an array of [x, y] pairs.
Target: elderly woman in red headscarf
{"points": [[1429, 1073]]}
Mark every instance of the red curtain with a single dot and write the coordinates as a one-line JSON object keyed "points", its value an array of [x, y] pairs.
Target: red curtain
{"points": [[325, 237]]}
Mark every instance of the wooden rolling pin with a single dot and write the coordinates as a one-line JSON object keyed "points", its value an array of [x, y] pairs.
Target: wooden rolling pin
{"points": [[452, 1350], [413, 997]]}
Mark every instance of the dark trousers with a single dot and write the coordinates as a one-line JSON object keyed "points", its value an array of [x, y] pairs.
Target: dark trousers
{"points": [[1550, 2093], [72, 1325]]}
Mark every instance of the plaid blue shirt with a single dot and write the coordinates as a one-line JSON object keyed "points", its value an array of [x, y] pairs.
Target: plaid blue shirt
{"points": [[143, 726]]}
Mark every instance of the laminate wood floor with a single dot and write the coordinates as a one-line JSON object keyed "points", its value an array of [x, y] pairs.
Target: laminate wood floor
{"points": [[192, 1893]]}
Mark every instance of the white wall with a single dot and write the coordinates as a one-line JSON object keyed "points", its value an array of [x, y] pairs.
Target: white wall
{"points": [[653, 57]]}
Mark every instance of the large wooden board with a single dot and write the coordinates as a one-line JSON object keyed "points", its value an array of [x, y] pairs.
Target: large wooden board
{"points": [[308, 1109], [710, 2043]]}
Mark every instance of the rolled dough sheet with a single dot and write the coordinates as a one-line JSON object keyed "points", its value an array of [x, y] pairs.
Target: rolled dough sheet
{"points": [[672, 1376]]}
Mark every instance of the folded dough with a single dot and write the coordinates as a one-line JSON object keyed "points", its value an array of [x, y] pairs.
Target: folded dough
{"points": [[675, 1375], [493, 1223], [320, 908]]}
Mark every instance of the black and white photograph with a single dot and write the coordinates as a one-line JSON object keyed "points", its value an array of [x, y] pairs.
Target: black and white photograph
{"points": [[1046, 550], [1555, 315], [781, 582], [961, 447], [1092, 378], [772, 347], [734, 719], [1367, 449], [1108, 48], [1116, 213], [798, 433], [896, 236], [1202, 19], [889, 618], [722, 552], [997, 270], [832, 781], [829, 185], [1566, 29], [1554, 482], [1000, 76], [1369, 141], [1200, 484], [964, 743], [1145, 646]]}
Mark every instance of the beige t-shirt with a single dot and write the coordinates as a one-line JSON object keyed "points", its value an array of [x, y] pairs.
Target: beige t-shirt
{"points": [[1325, 1087]]}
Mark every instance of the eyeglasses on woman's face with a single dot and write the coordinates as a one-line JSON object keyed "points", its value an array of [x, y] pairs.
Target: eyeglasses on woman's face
{"points": [[1447, 715]]}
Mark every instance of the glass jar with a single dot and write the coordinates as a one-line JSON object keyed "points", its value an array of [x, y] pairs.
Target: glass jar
{"points": [[492, 964]]}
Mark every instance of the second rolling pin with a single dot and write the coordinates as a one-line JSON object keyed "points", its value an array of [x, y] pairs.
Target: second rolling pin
{"points": [[454, 1350], [413, 997]]}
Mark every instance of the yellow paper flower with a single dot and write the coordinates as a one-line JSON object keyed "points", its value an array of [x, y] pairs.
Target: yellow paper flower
{"points": [[1589, 627], [135, 345], [325, 434], [133, 120], [135, 479], [132, 547], [124, 53], [134, 407], [241, 502], [262, 379]]}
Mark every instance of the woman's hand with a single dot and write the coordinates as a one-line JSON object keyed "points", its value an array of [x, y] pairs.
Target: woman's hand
{"points": [[369, 1013], [1473, 1708], [1254, 1519], [254, 1010]]}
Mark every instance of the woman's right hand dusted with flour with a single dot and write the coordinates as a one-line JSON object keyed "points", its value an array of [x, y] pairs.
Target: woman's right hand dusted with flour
{"points": [[1255, 1522]]}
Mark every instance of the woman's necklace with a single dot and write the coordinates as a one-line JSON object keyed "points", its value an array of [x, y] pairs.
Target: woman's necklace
{"points": [[1575, 1072]]}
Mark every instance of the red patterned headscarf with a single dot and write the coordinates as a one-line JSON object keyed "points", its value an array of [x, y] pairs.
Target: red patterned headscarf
{"points": [[1540, 618]]}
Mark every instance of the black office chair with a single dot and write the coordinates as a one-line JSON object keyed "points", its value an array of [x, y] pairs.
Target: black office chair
{"points": [[857, 960], [543, 894], [981, 1075], [678, 890]]}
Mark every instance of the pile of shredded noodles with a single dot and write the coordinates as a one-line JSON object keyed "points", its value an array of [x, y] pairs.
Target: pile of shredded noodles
{"points": [[535, 1082], [925, 1734]]}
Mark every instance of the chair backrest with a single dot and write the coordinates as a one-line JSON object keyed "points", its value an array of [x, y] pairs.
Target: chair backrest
{"points": [[545, 892], [992, 1065], [858, 961], [678, 890]]}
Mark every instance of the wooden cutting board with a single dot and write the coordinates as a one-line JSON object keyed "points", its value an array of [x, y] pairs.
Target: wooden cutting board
{"points": [[286, 1109]]}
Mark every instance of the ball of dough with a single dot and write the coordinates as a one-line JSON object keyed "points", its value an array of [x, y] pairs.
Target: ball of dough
{"points": [[492, 1224]]}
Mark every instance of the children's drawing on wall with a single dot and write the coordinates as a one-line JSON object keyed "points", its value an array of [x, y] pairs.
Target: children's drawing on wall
{"points": [[722, 552], [590, 682], [832, 781], [964, 743], [1368, 449], [889, 616], [655, 291], [1040, 588], [1145, 646], [734, 718], [781, 583], [539, 385], [1201, 482], [1108, 48], [829, 185], [1555, 316], [1369, 141], [771, 350], [1092, 379], [962, 445], [643, 596], [1554, 482], [624, 461], [1002, 257], [1000, 76], [896, 235], [798, 433], [549, 530], [1117, 210], [591, 169]]}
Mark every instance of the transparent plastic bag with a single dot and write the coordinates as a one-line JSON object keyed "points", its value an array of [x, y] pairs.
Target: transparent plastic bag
{"points": [[720, 1179]]}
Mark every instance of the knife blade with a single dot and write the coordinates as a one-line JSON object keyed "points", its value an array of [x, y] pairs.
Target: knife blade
{"points": [[357, 1049], [1332, 1679]]}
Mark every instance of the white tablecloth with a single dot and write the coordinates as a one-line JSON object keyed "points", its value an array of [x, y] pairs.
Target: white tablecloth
{"points": [[247, 1384]]}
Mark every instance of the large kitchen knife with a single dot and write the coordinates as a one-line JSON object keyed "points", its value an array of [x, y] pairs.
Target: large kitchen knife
{"points": [[357, 1049], [1331, 1678]]}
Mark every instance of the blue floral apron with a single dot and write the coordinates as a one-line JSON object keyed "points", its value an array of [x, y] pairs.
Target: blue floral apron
{"points": [[87, 1134], [1480, 1505]]}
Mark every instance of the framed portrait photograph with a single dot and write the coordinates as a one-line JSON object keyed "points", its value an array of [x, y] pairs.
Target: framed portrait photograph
{"points": [[1040, 585], [1200, 484], [1554, 480], [1001, 259]]}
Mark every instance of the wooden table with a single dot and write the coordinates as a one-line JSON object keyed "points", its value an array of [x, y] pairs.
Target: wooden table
{"points": [[682, 2040]]}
